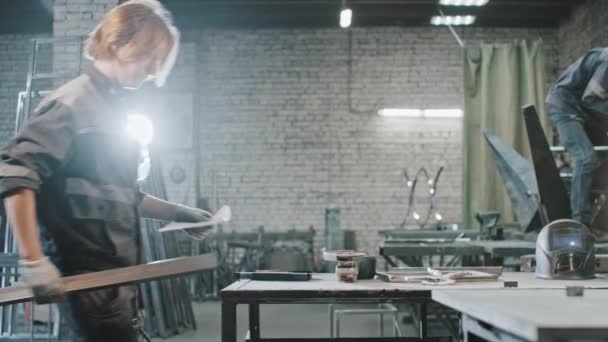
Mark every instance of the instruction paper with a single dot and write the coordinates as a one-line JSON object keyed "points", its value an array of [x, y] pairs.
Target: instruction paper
{"points": [[223, 215]]}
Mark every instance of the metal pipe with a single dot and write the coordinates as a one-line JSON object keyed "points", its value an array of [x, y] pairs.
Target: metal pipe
{"points": [[119, 276], [460, 42], [563, 149]]}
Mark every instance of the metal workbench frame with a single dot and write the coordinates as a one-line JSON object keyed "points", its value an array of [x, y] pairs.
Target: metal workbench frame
{"points": [[231, 297], [491, 251]]}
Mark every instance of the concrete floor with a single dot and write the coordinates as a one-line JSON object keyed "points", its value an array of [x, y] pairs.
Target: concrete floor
{"points": [[283, 321]]}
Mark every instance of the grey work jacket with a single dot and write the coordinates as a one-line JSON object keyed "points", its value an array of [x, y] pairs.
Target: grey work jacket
{"points": [[75, 154]]}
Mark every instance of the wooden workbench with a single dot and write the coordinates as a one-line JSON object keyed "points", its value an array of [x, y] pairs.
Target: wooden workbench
{"points": [[324, 288], [529, 315]]}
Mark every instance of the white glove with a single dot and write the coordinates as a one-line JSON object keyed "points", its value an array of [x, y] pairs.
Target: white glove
{"points": [[44, 279], [188, 214]]}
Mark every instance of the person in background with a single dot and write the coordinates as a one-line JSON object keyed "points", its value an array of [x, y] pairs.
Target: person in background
{"points": [[73, 171], [577, 104]]}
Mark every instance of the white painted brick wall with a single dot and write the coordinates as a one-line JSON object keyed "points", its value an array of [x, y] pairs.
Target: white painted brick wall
{"points": [[14, 55], [277, 133], [585, 29], [279, 138], [75, 19]]}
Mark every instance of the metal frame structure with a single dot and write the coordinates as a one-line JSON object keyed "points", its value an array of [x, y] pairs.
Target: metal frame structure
{"points": [[230, 300], [383, 309], [413, 253], [8, 275], [324, 288]]}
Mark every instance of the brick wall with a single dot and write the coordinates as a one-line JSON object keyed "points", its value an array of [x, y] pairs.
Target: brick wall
{"points": [[279, 142], [14, 53], [73, 20], [585, 29]]}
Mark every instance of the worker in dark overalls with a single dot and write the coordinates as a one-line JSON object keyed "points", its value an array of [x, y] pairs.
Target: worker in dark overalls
{"points": [[73, 171], [578, 107]]}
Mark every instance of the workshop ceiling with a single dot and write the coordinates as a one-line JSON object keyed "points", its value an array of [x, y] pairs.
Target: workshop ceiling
{"points": [[26, 16], [35, 16], [325, 13]]}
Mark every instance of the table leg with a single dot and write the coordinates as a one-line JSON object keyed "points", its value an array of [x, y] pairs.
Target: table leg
{"points": [[487, 259], [228, 321], [389, 262], [381, 320], [254, 322], [423, 319], [331, 320]]}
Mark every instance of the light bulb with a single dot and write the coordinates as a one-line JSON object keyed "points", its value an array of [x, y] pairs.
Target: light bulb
{"points": [[346, 17]]}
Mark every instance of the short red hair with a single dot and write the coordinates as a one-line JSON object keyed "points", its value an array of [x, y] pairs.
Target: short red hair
{"points": [[141, 28]]}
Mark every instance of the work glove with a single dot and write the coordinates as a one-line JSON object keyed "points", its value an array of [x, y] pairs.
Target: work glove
{"points": [[44, 279], [189, 214]]}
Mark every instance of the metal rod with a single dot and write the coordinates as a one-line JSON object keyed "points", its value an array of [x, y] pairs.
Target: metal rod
{"points": [[460, 42], [31, 322], [28, 84], [119, 276], [563, 149]]}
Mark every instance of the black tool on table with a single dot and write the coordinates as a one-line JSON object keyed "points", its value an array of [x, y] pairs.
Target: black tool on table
{"points": [[274, 276]]}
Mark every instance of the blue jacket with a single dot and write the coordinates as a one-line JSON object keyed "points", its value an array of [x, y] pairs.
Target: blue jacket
{"points": [[582, 89]]}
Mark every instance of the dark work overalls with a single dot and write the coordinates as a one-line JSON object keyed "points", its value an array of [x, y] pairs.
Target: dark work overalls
{"points": [[75, 153]]}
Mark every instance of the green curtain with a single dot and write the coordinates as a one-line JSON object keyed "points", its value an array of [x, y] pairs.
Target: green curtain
{"points": [[499, 79]]}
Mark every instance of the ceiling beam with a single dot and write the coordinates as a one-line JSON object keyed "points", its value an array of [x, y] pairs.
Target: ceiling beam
{"points": [[546, 3], [515, 14]]}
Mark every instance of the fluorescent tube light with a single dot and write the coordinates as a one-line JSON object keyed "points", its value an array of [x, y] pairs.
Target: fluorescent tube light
{"points": [[454, 20], [421, 113], [442, 113], [397, 112], [463, 2]]}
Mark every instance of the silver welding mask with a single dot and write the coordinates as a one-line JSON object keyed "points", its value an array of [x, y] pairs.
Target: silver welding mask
{"points": [[564, 250]]}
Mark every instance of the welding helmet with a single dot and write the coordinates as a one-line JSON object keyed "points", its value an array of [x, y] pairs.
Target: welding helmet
{"points": [[565, 250]]}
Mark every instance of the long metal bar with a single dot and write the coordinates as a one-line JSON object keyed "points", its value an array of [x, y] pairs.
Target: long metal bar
{"points": [[28, 84], [563, 149], [120, 276], [456, 36]]}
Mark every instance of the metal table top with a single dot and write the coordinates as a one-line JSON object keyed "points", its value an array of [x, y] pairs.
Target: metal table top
{"points": [[533, 314], [325, 285]]}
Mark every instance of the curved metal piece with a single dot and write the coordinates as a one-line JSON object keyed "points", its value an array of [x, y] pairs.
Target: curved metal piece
{"points": [[411, 184]]}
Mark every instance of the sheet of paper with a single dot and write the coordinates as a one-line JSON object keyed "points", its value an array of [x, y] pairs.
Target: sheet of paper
{"points": [[221, 216]]}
